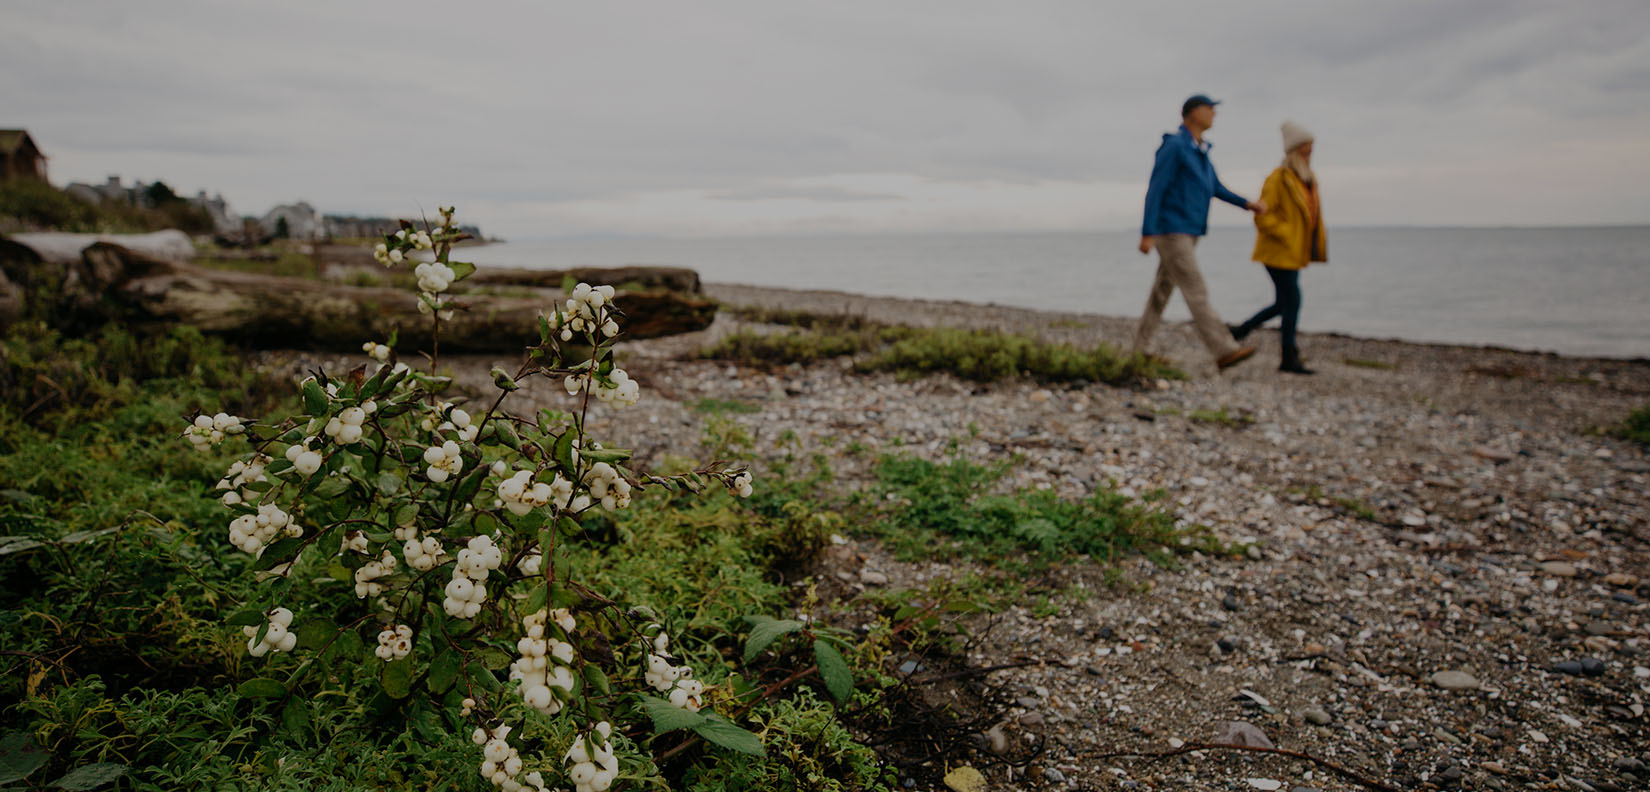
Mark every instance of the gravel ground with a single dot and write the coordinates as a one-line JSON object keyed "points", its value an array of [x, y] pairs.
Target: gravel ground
{"points": [[1445, 588]]}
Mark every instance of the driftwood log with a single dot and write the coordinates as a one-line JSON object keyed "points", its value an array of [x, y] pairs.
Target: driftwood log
{"points": [[113, 282]]}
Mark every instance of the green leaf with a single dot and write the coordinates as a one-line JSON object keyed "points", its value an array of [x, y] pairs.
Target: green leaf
{"points": [[668, 717], [348, 646], [245, 618], [484, 678], [257, 486], [495, 659], [331, 486], [279, 553], [839, 679], [83, 536], [397, 678], [91, 776], [536, 598], [295, 715], [406, 514], [262, 687], [16, 544], [507, 433], [471, 484], [19, 757], [315, 634], [444, 671], [461, 269], [764, 631], [315, 399], [564, 452], [597, 680], [608, 455], [730, 736], [278, 466], [389, 483]]}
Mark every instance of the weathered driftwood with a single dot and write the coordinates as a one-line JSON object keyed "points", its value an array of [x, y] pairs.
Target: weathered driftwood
{"points": [[110, 281], [678, 279]]}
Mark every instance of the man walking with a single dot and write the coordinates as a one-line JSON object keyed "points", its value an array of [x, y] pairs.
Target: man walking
{"points": [[1177, 214]]}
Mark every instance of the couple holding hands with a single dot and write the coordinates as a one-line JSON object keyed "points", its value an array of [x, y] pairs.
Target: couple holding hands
{"points": [[1288, 225]]}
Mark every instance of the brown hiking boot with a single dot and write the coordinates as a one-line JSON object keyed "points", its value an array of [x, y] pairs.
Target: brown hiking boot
{"points": [[1235, 357]]}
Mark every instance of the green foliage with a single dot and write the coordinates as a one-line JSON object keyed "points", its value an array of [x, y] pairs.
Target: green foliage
{"points": [[982, 355], [989, 355], [926, 508], [1636, 426], [807, 749], [48, 380], [36, 205], [1379, 365], [714, 406]]}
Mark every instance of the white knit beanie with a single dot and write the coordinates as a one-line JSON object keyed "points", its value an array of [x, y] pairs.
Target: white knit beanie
{"points": [[1293, 135]]}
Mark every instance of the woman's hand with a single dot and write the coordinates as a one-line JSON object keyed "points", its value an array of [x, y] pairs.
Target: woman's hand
{"points": [[1146, 244], [1258, 207]]}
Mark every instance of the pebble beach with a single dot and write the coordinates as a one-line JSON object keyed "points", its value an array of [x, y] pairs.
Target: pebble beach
{"points": [[1444, 581]]}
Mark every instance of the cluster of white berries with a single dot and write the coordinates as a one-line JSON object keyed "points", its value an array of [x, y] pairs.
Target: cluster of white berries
{"points": [[501, 763], [675, 681], [447, 418], [544, 662], [353, 541], [208, 431], [584, 313], [390, 256], [394, 643], [434, 277], [741, 484], [619, 390], [607, 486], [444, 461], [593, 770], [366, 578], [422, 554], [346, 426], [303, 459], [240, 474], [250, 532], [532, 563], [377, 351], [520, 494], [467, 589], [277, 637]]}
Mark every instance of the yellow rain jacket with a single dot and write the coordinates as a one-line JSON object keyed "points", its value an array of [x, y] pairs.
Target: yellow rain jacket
{"points": [[1290, 235]]}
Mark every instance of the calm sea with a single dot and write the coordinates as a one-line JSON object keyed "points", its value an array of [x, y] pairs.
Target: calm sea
{"points": [[1578, 291]]}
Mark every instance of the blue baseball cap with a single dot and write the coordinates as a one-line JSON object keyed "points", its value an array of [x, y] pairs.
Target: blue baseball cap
{"points": [[1196, 101]]}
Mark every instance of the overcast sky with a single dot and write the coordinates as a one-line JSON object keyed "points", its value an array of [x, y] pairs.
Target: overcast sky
{"points": [[706, 118]]}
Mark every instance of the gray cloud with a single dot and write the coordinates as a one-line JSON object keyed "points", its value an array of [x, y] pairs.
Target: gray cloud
{"points": [[561, 117]]}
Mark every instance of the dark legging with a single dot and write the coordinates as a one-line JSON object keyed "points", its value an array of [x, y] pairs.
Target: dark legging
{"points": [[1286, 284]]}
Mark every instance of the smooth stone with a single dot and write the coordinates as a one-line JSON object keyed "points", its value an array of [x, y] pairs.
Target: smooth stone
{"points": [[1317, 716], [1598, 628], [999, 741], [1054, 775], [1494, 767], [1570, 667], [1240, 733], [1229, 602], [1455, 680], [872, 577], [1559, 568], [1592, 666], [1446, 736]]}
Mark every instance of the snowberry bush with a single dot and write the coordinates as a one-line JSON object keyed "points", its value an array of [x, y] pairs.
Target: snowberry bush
{"points": [[440, 523]]}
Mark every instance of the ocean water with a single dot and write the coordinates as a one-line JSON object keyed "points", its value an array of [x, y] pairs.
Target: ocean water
{"points": [[1576, 291]]}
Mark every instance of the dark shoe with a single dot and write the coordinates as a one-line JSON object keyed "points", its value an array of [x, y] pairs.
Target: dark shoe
{"points": [[1292, 363], [1235, 357], [1240, 332]]}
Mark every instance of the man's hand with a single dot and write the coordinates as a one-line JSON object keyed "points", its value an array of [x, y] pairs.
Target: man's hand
{"points": [[1146, 244], [1258, 207]]}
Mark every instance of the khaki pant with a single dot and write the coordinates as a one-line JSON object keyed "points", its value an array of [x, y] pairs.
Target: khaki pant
{"points": [[1177, 267]]}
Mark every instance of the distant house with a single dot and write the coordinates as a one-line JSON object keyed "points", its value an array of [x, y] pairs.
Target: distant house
{"points": [[20, 158], [223, 220], [111, 190], [298, 221]]}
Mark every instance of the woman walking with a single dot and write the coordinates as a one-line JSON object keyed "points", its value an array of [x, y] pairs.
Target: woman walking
{"points": [[1288, 238]]}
